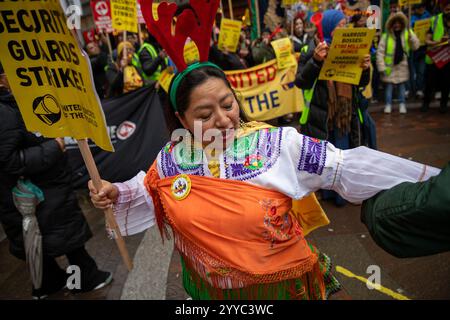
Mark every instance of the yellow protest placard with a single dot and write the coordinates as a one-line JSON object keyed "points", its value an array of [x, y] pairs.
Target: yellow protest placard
{"points": [[191, 53], [283, 52], [267, 92], [49, 76], [403, 3], [421, 28], [315, 4], [230, 32], [166, 78], [124, 15], [347, 51], [286, 3], [155, 11]]}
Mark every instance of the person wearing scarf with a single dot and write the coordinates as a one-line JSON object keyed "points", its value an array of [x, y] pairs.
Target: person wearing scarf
{"points": [[332, 110], [396, 44]]}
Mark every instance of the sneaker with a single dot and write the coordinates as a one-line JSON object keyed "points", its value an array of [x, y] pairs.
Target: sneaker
{"points": [[105, 282], [101, 280], [406, 94], [51, 286], [419, 94], [42, 294], [438, 95], [402, 108], [37, 294], [388, 108]]}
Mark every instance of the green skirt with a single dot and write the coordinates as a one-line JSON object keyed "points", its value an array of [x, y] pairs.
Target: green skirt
{"points": [[306, 288]]}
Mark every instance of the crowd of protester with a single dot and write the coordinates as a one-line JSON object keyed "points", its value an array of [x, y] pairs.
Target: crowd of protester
{"points": [[411, 74]]}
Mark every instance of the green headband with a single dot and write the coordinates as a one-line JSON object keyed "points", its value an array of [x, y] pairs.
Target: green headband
{"points": [[180, 76]]}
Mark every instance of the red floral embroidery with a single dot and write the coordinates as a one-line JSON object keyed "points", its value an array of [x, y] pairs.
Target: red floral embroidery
{"points": [[280, 227]]}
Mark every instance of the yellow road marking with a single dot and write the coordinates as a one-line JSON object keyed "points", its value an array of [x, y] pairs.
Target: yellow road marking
{"points": [[380, 288]]}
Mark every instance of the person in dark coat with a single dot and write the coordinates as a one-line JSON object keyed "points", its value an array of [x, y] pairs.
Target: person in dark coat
{"points": [[62, 224], [333, 111], [310, 64], [226, 60], [411, 219], [98, 57], [152, 58]]}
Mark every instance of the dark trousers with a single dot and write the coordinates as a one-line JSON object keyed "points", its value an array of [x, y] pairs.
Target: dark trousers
{"points": [[417, 70], [436, 79], [54, 278]]}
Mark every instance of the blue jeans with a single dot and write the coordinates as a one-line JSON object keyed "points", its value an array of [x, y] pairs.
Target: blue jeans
{"points": [[401, 92], [417, 70]]}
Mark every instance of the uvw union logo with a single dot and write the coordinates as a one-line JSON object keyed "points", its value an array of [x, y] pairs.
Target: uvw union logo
{"points": [[125, 130], [47, 109]]}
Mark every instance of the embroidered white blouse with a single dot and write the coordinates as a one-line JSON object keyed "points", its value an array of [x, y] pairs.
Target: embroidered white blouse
{"points": [[279, 159]]}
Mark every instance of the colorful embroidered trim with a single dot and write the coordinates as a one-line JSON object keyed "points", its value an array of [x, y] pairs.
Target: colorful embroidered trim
{"points": [[313, 155]]}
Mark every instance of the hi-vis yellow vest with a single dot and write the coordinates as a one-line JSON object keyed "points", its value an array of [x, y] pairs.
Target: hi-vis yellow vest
{"points": [[390, 49], [437, 26], [157, 74], [307, 96]]}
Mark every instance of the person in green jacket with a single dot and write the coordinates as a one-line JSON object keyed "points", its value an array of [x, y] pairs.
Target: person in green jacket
{"points": [[411, 219]]}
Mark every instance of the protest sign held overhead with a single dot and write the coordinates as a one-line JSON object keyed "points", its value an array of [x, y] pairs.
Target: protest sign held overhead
{"points": [[286, 3], [42, 59], [347, 51], [191, 53], [421, 28], [124, 15], [230, 31], [131, 119], [403, 3], [283, 52], [166, 78], [101, 10], [267, 92]]}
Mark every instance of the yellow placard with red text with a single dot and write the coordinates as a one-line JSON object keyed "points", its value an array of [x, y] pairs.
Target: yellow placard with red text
{"points": [[347, 51], [403, 3], [267, 92], [421, 28], [283, 52], [124, 15], [286, 3], [191, 53], [166, 78], [50, 77], [230, 32]]}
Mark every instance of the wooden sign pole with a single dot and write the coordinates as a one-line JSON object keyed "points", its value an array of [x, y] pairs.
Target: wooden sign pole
{"points": [[111, 221], [230, 7], [95, 177], [124, 47], [108, 42], [258, 24]]}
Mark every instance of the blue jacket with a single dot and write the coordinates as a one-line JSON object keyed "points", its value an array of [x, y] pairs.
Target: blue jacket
{"points": [[415, 18]]}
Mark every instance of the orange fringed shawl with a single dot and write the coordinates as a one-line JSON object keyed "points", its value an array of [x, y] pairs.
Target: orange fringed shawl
{"points": [[231, 233]]}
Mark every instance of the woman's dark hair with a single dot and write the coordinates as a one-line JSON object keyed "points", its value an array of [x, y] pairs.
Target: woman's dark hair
{"points": [[192, 80], [355, 18], [298, 17]]}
